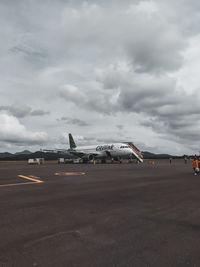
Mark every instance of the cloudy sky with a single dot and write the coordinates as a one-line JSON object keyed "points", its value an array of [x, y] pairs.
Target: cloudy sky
{"points": [[103, 70]]}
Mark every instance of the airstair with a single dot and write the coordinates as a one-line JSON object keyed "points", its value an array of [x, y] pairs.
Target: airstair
{"points": [[136, 151]]}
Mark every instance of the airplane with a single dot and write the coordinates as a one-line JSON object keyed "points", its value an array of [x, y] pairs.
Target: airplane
{"points": [[116, 151]]}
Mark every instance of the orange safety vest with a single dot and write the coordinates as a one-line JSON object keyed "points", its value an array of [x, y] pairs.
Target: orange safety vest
{"points": [[195, 163]]}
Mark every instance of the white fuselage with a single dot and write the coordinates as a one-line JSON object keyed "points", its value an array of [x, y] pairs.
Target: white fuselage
{"points": [[116, 150]]}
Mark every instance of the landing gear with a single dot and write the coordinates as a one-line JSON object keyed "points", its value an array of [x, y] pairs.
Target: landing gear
{"points": [[120, 160]]}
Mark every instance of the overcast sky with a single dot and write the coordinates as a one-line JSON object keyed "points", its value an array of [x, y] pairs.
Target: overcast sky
{"points": [[103, 70]]}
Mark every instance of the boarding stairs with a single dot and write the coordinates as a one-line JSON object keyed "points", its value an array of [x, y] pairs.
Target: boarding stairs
{"points": [[137, 151]]}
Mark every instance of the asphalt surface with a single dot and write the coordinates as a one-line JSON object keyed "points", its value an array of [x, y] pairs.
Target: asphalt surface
{"points": [[113, 215]]}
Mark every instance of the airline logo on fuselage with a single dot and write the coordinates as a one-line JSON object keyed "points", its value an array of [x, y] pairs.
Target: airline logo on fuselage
{"points": [[106, 147]]}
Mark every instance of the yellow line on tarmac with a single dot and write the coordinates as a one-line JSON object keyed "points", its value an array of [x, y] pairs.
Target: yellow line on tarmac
{"points": [[24, 177], [31, 179], [32, 176], [4, 185]]}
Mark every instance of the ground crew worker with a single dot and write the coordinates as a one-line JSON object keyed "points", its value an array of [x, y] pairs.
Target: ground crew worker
{"points": [[195, 165], [185, 160]]}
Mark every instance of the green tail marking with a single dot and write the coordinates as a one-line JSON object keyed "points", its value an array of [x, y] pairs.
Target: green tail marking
{"points": [[71, 142]]}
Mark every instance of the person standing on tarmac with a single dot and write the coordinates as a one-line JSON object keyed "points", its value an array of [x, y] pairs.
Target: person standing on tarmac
{"points": [[195, 165], [185, 160]]}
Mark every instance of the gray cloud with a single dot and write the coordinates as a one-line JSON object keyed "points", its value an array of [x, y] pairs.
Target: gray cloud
{"points": [[21, 111], [156, 97], [18, 111], [120, 127], [74, 121], [39, 112], [103, 63]]}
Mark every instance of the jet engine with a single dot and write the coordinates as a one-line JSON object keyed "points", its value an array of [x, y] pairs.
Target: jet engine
{"points": [[88, 157]]}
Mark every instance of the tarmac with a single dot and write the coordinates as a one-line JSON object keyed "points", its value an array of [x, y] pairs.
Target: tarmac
{"points": [[99, 215]]}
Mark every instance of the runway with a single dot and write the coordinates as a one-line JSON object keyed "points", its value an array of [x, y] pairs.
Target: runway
{"points": [[99, 215]]}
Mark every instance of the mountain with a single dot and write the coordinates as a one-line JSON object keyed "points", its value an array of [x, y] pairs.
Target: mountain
{"points": [[5, 155], [25, 155], [149, 155], [25, 152]]}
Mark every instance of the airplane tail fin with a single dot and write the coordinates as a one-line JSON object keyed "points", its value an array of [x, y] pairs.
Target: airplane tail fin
{"points": [[71, 142]]}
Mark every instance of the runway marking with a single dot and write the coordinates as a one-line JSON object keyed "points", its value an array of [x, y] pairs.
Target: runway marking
{"points": [[69, 173], [34, 181], [5, 185], [32, 176], [31, 179]]}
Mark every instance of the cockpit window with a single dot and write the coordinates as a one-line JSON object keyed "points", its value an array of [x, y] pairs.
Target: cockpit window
{"points": [[124, 146]]}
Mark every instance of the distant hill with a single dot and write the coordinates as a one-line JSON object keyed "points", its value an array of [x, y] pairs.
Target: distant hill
{"points": [[149, 155], [25, 152], [25, 155], [5, 154]]}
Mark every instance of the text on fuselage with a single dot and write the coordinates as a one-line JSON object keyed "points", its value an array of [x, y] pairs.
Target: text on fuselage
{"points": [[106, 147]]}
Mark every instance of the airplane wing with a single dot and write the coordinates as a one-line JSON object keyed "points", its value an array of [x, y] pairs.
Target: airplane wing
{"points": [[55, 150], [82, 153]]}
